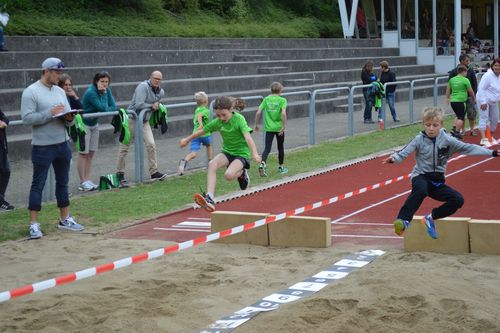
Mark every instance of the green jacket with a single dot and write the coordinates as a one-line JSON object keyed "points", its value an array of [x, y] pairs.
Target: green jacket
{"points": [[159, 118], [120, 124]]}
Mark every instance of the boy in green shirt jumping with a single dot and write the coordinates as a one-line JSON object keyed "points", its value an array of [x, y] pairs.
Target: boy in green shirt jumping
{"points": [[237, 149], [459, 87], [274, 124], [201, 118]]}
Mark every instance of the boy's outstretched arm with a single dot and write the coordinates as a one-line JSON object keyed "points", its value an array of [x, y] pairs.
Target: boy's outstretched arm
{"points": [[183, 142], [253, 148]]}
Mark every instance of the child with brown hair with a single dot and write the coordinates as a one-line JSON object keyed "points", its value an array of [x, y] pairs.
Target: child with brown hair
{"points": [[274, 107], [237, 149]]}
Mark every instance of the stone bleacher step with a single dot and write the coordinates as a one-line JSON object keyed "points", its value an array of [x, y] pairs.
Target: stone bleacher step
{"points": [[225, 45], [250, 57], [273, 69], [344, 108], [297, 82]]}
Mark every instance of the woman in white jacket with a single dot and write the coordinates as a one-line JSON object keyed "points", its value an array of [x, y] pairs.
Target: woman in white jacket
{"points": [[487, 99]]}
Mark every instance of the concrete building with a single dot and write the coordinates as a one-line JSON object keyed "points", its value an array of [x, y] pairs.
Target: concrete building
{"points": [[436, 32]]}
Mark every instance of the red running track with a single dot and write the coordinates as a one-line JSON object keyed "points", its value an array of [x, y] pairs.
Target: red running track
{"points": [[365, 219]]}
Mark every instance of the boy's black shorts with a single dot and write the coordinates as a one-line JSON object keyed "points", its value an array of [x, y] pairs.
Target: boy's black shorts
{"points": [[231, 158], [459, 109]]}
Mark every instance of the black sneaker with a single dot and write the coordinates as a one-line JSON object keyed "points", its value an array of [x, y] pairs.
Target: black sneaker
{"points": [[121, 179], [4, 205], [158, 176], [204, 201], [244, 180], [456, 134]]}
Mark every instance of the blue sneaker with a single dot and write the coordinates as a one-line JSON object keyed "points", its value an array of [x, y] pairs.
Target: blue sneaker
{"points": [[70, 224], [400, 226], [429, 224], [35, 231]]}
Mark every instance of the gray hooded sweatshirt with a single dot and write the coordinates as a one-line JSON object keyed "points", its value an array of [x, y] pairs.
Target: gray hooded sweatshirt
{"points": [[432, 155]]}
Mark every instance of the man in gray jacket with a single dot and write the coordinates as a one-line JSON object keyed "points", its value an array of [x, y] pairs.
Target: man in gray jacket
{"points": [[146, 96], [45, 107]]}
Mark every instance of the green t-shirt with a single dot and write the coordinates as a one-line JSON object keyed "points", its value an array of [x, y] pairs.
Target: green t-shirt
{"points": [[232, 132], [459, 85], [272, 106], [205, 118]]}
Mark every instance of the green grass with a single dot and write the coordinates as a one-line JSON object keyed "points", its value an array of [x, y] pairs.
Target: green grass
{"points": [[79, 18], [109, 210]]}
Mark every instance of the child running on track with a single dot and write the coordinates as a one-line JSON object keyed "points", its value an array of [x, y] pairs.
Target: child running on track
{"points": [[200, 119], [274, 107], [433, 147], [237, 149], [457, 91]]}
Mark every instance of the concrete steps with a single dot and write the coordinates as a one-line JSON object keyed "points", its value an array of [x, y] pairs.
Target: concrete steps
{"points": [[236, 67]]}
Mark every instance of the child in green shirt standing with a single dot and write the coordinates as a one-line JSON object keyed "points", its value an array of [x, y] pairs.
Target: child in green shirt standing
{"points": [[200, 119], [274, 124], [237, 149], [459, 87]]}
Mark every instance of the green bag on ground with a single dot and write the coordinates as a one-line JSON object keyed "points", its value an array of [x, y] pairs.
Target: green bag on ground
{"points": [[109, 181]]}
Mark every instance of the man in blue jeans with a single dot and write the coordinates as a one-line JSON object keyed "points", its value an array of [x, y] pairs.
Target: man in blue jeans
{"points": [[45, 107]]}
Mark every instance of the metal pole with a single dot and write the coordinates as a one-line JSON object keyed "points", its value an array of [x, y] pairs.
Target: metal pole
{"points": [[312, 118], [351, 111]]}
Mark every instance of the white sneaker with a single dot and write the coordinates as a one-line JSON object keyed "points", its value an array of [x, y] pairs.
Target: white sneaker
{"points": [[87, 186], [70, 224], [94, 186], [35, 231], [484, 142]]}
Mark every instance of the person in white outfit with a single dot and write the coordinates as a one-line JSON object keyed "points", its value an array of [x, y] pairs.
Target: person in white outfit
{"points": [[487, 99]]}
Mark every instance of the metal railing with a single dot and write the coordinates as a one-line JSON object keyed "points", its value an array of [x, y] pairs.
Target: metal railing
{"points": [[311, 100]]}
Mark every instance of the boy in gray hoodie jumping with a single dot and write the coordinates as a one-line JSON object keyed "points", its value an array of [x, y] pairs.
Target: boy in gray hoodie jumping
{"points": [[433, 147]]}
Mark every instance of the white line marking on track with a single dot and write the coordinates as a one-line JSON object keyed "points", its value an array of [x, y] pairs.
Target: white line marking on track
{"points": [[179, 229], [403, 193], [366, 236], [492, 171], [193, 224], [199, 218]]}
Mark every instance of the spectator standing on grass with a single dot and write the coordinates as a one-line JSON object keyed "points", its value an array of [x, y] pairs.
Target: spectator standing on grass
{"points": [[41, 104], [487, 99], [4, 163], [458, 91], [98, 98], [432, 147], [147, 96], [201, 118], [470, 107], [367, 76], [274, 108], [386, 76]]}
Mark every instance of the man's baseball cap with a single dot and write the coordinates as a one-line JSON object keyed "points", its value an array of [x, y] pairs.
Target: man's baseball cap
{"points": [[53, 64]]}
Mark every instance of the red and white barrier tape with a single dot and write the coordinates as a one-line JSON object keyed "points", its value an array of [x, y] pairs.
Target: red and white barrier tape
{"points": [[115, 265]]}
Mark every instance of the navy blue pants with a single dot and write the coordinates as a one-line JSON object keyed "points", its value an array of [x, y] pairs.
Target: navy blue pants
{"points": [[42, 157], [424, 186], [280, 140]]}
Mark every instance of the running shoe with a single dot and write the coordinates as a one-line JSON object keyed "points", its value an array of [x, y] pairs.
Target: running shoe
{"points": [[262, 169], [35, 231], [244, 180], [182, 167], [484, 142], [400, 226], [429, 224], [158, 176], [282, 170], [70, 224], [4, 205], [86, 186], [204, 201]]}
